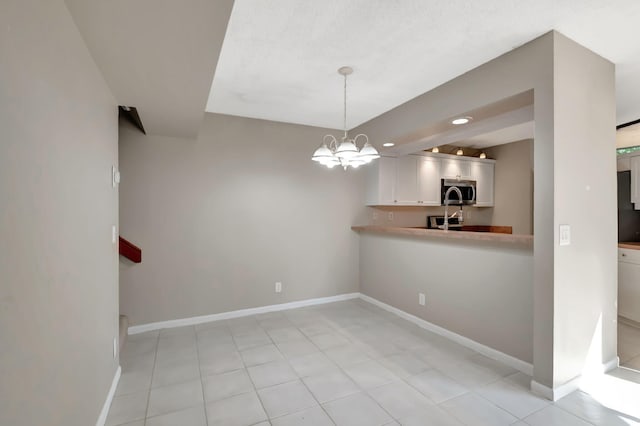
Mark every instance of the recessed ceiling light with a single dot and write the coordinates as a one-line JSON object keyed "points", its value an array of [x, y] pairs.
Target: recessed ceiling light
{"points": [[483, 155], [461, 120], [435, 149], [388, 144], [459, 151]]}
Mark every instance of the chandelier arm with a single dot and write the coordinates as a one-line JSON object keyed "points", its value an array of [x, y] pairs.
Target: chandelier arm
{"points": [[333, 143], [366, 138]]}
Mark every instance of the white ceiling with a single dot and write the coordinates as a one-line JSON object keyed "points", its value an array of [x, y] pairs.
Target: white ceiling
{"points": [[279, 58], [514, 133], [156, 55]]}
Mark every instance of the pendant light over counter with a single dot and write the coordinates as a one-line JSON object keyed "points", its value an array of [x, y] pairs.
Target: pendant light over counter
{"points": [[345, 153]]}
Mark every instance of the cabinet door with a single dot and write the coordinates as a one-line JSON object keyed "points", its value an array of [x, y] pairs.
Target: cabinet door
{"points": [[381, 181], [429, 181], [407, 180], [455, 169], [482, 173], [629, 290], [635, 181]]}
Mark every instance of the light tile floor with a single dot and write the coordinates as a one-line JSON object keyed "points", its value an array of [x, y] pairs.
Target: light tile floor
{"points": [[345, 363], [629, 345]]}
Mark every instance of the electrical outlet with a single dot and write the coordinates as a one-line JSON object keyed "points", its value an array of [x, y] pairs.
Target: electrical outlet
{"points": [[390, 216], [421, 299], [278, 287], [115, 348]]}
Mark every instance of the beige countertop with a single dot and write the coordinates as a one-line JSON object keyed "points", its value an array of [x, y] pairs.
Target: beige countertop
{"points": [[507, 239], [630, 245]]}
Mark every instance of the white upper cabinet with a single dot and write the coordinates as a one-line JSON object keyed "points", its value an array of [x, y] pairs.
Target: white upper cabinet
{"points": [[381, 181], [429, 181], [455, 168], [417, 181], [414, 180], [483, 174], [407, 180]]}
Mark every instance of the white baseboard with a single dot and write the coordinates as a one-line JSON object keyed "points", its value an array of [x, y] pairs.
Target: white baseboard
{"points": [[542, 390], [581, 382], [107, 404], [239, 313], [612, 364], [509, 360], [557, 392]]}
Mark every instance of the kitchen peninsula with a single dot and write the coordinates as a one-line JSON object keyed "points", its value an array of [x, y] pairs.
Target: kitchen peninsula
{"points": [[524, 241], [478, 285]]}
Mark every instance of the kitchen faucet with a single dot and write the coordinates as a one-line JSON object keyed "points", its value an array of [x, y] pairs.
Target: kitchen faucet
{"points": [[446, 206]]}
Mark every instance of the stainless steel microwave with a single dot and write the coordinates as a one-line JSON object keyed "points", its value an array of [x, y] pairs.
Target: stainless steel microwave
{"points": [[467, 189]]}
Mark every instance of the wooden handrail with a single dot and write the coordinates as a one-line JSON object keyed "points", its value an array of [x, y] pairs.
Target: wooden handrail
{"points": [[130, 251]]}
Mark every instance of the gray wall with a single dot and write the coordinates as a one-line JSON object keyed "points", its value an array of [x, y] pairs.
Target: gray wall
{"points": [[574, 287], [528, 67], [480, 291], [220, 219], [58, 267], [586, 272], [513, 186]]}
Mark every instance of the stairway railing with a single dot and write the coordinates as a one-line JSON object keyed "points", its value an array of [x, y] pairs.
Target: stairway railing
{"points": [[130, 251]]}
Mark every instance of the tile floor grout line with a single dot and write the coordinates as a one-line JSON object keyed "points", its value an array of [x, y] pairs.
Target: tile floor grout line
{"points": [[300, 379], [204, 399], [572, 414], [255, 389], [182, 381], [504, 409], [153, 371], [341, 370]]}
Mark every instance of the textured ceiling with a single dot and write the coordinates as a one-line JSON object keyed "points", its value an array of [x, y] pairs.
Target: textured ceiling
{"points": [[279, 59]]}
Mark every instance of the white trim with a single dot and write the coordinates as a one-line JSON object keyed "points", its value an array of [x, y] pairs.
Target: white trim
{"points": [[107, 404], [509, 360], [239, 313], [557, 392], [580, 382], [612, 364], [542, 390]]}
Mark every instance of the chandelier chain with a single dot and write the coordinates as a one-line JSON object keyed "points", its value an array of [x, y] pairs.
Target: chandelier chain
{"points": [[345, 106]]}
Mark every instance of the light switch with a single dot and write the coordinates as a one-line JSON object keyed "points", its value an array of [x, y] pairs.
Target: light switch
{"points": [[114, 234], [565, 235], [115, 176]]}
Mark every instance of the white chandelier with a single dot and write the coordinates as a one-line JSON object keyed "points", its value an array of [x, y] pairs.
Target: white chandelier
{"points": [[346, 152]]}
